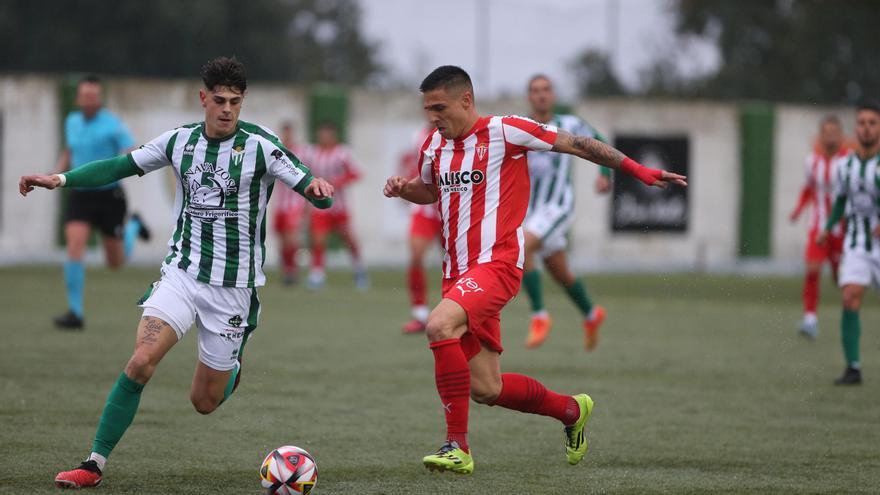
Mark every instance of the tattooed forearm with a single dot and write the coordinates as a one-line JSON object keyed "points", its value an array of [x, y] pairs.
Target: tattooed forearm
{"points": [[152, 328], [596, 151]]}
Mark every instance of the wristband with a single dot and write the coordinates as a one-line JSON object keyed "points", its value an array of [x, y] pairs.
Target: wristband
{"points": [[62, 179], [645, 174]]}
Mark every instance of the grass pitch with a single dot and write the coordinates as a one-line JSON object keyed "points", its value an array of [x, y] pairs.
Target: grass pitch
{"points": [[700, 383]]}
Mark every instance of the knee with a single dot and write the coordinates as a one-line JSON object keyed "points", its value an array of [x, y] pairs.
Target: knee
{"points": [[439, 327], [851, 301], [114, 264], [140, 367], [485, 393], [203, 404]]}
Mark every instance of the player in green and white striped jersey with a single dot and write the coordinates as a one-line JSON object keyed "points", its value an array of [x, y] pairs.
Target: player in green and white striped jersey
{"points": [[549, 218], [226, 169], [858, 197]]}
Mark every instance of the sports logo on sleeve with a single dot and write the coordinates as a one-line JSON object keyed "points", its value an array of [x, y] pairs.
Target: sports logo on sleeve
{"points": [[288, 165]]}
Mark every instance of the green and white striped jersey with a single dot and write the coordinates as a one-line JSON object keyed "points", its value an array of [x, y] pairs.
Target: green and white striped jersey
{"points": [[859, 182], [222, 191], [550, 172]]}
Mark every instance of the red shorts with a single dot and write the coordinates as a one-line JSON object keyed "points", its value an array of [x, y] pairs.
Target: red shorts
{"points": [[424, 226], [483, 291], [287, 220], [324, 222], [831, 251]]}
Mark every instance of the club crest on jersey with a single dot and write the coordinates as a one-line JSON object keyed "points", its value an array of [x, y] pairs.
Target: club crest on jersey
{"points": [[467, 285], [459, 181], [208, 186], [482, 148], [237, 156]]}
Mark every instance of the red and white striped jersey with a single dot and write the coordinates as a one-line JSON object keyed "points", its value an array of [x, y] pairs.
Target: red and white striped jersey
{"points": [[409, 167], [483, 183], [287, 201], [335, 165], [819, 185]]}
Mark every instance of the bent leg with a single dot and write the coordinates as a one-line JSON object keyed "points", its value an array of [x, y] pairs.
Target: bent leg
{"points": [[154, 338], [209, 387], [446, 324]]}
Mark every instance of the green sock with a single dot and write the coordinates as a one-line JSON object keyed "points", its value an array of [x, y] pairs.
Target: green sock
{"points": [[532, 282], [850, 330], [578, 294], [119, 411], [230, 385]]}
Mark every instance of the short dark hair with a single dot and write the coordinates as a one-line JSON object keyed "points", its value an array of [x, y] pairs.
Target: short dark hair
{"points": [[224, 71], [868, 104], [89, 79], [447, 76]]}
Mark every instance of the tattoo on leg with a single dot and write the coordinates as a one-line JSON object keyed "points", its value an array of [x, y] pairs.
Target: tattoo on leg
{"points": [[152, 328]]}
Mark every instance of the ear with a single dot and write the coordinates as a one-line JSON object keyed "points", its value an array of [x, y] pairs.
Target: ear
{"points": [[467, 98], [203, 97]]}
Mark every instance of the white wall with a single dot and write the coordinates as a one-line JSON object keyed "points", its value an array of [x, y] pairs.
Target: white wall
{"points": [[382, 127]]}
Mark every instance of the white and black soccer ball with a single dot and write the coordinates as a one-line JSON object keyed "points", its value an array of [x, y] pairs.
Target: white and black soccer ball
{"points": [[288, 470]]}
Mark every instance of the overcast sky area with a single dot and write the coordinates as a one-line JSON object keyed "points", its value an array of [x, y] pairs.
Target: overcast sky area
{"points": [[518, 38]]}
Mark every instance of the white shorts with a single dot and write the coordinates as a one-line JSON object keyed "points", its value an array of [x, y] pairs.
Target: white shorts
{"points": [[225, 316], [858, 268], [550, 224]]}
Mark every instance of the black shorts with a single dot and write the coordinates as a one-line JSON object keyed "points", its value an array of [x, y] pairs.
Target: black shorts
{"points": [[103, 210]]}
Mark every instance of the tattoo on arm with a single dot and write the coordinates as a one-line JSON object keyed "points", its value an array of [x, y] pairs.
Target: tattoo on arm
{"points": [[152, 328], [596, 151]]}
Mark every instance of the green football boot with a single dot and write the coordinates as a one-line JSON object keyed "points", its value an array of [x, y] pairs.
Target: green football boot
{"points": [[575, 436], [450, 458]]}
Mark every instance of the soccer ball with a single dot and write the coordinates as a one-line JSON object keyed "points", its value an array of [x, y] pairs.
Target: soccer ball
{"points": [[288, 470]]}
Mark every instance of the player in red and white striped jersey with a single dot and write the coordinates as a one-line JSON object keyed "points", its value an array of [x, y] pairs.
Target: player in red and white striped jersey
{"points": [[290, 211], [818, 191], [334, 159], [476, 167], [424, 230]]}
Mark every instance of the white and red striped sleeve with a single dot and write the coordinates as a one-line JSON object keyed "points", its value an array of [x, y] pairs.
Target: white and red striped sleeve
{"points": [[528, 135], [426, 159]]}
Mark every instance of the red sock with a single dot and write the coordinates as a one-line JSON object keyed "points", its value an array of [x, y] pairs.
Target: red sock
{"points": [[288, 259], [417, 285], [811, 292], [525, 394], [453, 377], [318, 257]]}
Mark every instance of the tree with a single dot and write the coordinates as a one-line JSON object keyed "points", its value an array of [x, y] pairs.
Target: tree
{"points": [[787, 50], [291, 40], [595, 76]]}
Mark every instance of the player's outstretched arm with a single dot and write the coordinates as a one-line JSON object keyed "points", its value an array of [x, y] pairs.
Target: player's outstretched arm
{"points": [[93, 174], [596, 151], [413, 190]]}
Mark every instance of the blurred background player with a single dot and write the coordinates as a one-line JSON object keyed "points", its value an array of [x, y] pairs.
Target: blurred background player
{"points": [[818, 192], [424, 230], [290, 211], [93, 133], [550, 216], [332, 160], [857, 195]]}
